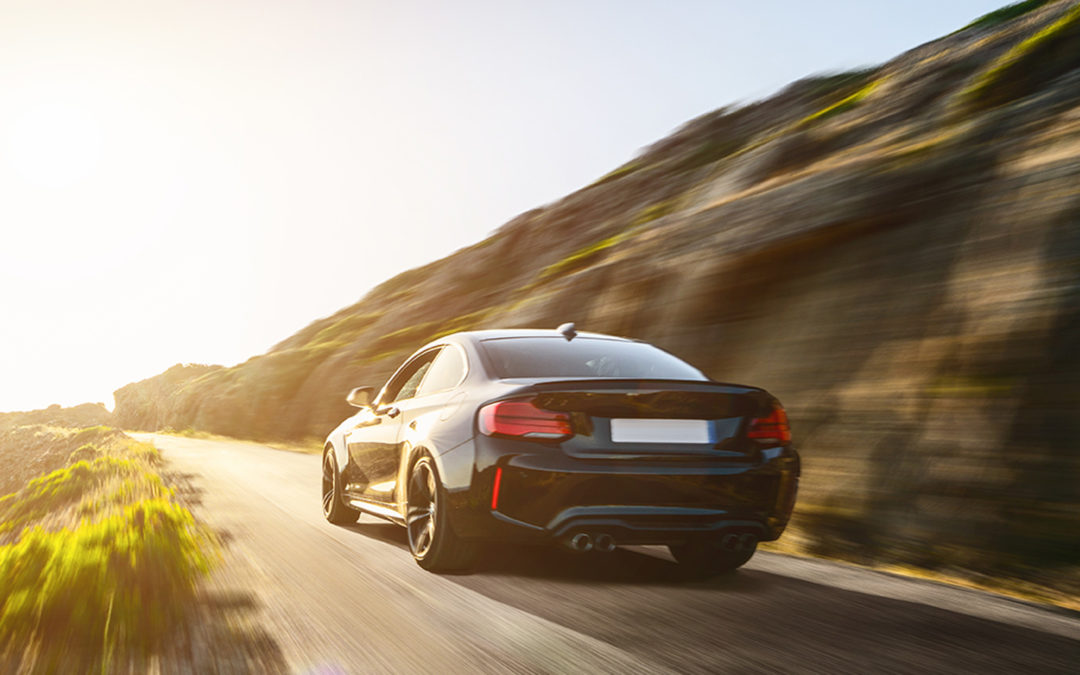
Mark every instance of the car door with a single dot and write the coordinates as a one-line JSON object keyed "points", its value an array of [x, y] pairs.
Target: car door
{"points": [[373, 443], [435, 401]]}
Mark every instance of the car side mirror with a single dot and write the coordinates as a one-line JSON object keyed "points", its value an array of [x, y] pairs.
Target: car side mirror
{"points": [[360, 397]]}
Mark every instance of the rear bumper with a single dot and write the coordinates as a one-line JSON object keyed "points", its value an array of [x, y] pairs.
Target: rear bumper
{"points": [[545, 494], [643, 525]]}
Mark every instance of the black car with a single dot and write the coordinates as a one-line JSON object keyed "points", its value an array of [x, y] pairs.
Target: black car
{"points": [[556, 436]]}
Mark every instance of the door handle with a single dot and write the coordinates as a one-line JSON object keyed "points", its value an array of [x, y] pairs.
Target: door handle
{"points": [[391, 412]]}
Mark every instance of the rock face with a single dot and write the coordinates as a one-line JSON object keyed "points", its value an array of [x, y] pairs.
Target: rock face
{"points": [[149, 403], [894, 253], [36, 442], [85, 415]]}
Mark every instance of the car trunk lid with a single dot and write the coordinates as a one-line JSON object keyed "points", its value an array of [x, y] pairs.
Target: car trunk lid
{"points": [[654, 418]]}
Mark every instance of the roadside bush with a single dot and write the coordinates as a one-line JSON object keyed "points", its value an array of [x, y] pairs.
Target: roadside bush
{"points": [[85, 453], [60, 488], [116, 584], [98, 565]]}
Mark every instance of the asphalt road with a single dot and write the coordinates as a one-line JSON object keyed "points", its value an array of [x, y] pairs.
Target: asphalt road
{"points": [[328, 599]]}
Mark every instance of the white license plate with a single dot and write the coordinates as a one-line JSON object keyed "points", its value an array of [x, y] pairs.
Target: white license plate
{"points": [[660, 431]]}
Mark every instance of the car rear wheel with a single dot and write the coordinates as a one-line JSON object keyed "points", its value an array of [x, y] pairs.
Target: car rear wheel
{"points": [[433, 543], [709, 558], [333, 508]]}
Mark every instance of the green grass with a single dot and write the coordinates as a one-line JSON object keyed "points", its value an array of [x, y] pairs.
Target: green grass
{"points": [[831, 84], [410, 338], [845, 104], [1019, 72], [340, 331], [1006, 13], [858, 82], [971, 386], [99, 565], [395, 342], [653, 212], [96, 434], [187, 432], [115, 586], [711, 151], [590, 253], [461, 323], [403, 281], [620, 172], [87, 452], [61, 488], [579, 259], [268, 375]]}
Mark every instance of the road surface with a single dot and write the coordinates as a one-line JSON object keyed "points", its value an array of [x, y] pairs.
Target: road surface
{"points": [[329, 599]]}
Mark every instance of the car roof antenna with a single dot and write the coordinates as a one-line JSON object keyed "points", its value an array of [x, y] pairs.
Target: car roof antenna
{"points": [[568, 331]]}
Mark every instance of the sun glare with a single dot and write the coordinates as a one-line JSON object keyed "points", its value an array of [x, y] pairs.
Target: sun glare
{"points": [[54, 145]]}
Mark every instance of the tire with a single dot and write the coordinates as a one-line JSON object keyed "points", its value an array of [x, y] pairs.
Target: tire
{"points": [[333, 508], [705, 559], [432, 541]]}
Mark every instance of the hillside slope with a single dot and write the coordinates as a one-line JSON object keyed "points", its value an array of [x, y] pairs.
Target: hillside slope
{"points": [[892, 252]]}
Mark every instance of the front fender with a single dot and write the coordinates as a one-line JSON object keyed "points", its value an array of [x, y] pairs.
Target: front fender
{"points": [[336, 443]]}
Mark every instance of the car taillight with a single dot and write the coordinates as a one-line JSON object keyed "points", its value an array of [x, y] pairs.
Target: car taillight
{"points": [[772, 428], [522, 419]]}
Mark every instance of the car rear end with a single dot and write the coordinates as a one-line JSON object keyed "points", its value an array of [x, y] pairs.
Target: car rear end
{"points": [[602, 461]]}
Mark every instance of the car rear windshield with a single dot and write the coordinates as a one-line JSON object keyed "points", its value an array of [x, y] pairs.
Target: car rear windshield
{"points": [[585, 358]]}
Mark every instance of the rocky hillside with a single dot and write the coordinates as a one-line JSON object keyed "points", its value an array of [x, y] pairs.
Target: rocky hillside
{"points": [[893, 252], [85, 415], [40, 441]]}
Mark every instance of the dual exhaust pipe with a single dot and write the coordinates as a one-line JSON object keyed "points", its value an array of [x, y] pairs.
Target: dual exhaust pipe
{"points": [[583, 542], [738, 542]]}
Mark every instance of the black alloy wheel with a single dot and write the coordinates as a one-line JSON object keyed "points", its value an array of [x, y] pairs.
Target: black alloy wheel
{"points": [[432, 541], [333, 508], [423, 508]]}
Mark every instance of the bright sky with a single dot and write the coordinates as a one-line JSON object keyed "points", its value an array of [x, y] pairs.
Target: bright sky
{"points": [[194, 181]]}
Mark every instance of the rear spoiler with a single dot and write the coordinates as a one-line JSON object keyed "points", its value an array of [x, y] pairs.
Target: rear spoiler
{"points": [[638, 383]]}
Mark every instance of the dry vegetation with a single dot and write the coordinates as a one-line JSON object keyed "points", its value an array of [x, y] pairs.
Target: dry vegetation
{"points": [[98, 560]]}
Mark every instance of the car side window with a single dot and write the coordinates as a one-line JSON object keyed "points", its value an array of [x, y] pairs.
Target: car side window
{"points": [[445, 373], [404, 385]]}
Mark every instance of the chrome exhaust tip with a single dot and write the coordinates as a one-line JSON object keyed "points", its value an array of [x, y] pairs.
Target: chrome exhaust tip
{"points": [[604, 543], [580, 542]]}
